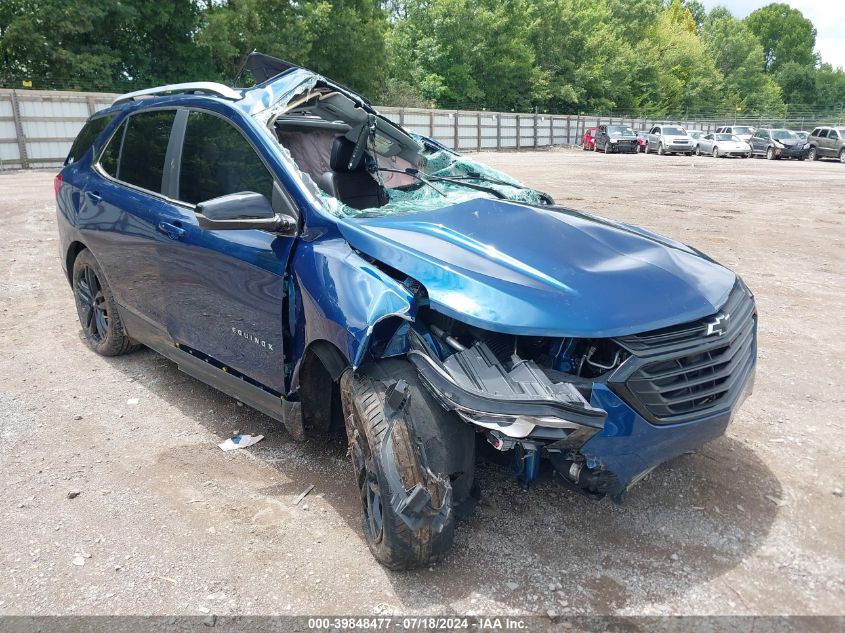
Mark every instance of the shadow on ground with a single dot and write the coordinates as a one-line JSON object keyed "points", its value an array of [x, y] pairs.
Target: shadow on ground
{"points": [[688, 522]]}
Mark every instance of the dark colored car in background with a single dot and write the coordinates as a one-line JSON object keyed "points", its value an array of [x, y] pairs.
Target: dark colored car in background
{"points": [[616, 138], [589, 140], [827, 142], [778, 143]]}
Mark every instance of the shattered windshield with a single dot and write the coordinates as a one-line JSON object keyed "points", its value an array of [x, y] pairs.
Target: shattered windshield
{"points": [[359, 164]]}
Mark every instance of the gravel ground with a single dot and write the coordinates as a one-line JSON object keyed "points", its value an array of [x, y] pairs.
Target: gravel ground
{"points": [[166, 523]]}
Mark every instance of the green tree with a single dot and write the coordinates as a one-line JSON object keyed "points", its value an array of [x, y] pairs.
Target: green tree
{"points": [[97, 45], [798, 83], [468, 53], [737, 54], [786, 35], [830, 88]]}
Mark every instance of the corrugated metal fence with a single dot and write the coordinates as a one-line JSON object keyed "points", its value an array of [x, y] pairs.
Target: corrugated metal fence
{"points": [[37, 127]]}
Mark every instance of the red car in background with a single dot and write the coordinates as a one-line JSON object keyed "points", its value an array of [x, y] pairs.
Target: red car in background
{"points": [[589, 140], [641, 141]]}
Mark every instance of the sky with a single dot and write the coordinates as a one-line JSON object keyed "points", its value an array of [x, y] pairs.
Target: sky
{"points": [[828, 16]]}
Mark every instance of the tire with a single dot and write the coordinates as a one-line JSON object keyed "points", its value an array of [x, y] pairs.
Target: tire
{"points": [[697, 150], [595, 147], [715, 152], [437, 442], [646, 148], [661, 151], [770, 154], [813, 154], [607, 148], [842, 155], [101, 325]]}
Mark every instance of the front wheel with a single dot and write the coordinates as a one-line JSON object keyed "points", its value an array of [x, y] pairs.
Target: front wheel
{"points": [[770, 154], [661, 151], [97, 310], [607, 148], [402, 448], [697, 150], [813, 154], [715, 152]]}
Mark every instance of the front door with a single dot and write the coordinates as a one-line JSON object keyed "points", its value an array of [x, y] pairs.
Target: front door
{"points": [[225, 289]]}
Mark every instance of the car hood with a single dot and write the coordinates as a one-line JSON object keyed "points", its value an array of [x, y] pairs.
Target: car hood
{"points": [[519, 269]]}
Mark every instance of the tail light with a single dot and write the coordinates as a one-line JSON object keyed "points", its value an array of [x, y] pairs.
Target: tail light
{"points": [[57, 184]]}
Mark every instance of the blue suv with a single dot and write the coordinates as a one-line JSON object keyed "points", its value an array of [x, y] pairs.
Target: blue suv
{"points": [[295, 249]]}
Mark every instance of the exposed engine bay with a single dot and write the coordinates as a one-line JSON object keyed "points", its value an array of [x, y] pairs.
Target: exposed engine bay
{"points": [[367, 165], [527, 395]]}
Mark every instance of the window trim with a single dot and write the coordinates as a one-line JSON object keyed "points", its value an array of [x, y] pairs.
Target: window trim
{"points": [[94, 117]]}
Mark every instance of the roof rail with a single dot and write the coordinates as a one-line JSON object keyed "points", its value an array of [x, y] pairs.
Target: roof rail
{"points": [[204, 87]]}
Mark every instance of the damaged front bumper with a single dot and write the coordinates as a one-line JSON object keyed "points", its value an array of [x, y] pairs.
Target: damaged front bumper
{"points": [[600, 446]]}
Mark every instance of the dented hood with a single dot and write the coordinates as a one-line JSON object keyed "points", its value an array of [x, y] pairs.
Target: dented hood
{"points": [[519, 269]]}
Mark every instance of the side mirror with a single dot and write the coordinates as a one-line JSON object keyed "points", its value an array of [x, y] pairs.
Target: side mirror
{"points": [[245, 210]]}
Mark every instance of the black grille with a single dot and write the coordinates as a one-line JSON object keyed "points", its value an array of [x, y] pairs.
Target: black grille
{"points": [[682, 371]]}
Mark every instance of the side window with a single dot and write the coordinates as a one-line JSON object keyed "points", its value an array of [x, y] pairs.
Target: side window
{"points": [[86, 137], [833, 134], [110, 155], [144, 147], [815, 132], [823, 133], [217, 160]]}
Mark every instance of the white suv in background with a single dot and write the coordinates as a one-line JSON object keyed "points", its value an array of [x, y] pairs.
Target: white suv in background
{"points": [[669, 139], [744, 132]]}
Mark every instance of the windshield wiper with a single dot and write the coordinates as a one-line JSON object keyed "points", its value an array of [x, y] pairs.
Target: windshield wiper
{"points": [[461, 180], [413, 173], [474, 175]]}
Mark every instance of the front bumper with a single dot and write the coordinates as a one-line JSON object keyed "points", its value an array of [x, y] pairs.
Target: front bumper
{"points": [[679, 147], [791, 152]]}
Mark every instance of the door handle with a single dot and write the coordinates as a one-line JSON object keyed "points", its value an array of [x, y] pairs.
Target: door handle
{"points": [[94, 196], [171, 230]]}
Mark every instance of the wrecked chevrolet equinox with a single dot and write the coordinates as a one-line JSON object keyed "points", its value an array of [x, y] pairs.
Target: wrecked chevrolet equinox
{"points": [[298, 251]]}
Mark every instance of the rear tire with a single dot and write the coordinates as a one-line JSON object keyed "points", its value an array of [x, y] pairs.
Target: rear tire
{"points": [[97, 309], [435, 441], [842, 155]]}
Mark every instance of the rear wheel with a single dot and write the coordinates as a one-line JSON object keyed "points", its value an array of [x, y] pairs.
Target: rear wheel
{"points": [[426, 447], [97, 310], [842, 155]]}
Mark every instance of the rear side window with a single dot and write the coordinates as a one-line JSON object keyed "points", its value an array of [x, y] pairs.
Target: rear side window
{"points": [[217, 160], [144, 148], [111, 155], [86, 137]]}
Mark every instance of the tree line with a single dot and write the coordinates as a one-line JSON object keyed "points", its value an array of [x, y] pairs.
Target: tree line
{"points": [[649, 57]]}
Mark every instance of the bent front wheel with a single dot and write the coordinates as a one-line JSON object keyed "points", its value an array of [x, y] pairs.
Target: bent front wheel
{"points": [[414, 463]]}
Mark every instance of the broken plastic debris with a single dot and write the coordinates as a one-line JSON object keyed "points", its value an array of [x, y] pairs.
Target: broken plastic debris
{"points": [[78, 560], [240, 441], [303, 494]]}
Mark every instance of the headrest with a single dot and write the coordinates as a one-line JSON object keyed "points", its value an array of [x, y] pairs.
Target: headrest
{"points": [[342, 149]]}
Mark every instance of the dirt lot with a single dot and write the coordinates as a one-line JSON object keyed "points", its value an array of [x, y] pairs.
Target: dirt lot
{"points": [[166, 523]]}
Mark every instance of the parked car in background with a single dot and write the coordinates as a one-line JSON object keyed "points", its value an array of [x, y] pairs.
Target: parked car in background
{"points": [[668, 139], [641, 140], [260, 239], [778, 143], [695, 135], [589, 140], [744, 132], [719, 145], [615, 138], [827, 142]]}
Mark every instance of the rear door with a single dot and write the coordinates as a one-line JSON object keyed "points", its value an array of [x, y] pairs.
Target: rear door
{"points": [[822, 142], [225, 289], [121, 210], [832, 142]]}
